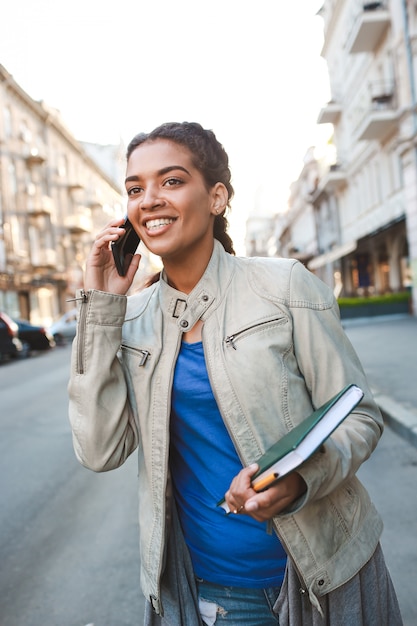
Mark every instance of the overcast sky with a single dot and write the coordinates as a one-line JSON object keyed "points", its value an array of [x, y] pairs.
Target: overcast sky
{"points": [[251, 71]]}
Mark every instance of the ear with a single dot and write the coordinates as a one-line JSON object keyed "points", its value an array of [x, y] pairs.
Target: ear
{"points": [[219, 198]]}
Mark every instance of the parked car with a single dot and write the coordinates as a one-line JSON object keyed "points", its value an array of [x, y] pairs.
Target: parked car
{"points": [[63, 330], [34, 337], [10, 344]]}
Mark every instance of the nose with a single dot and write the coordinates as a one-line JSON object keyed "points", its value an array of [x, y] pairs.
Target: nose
{"points": [[151, 198]]}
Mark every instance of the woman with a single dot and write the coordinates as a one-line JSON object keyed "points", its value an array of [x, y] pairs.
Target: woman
{"points": [[201, 372]]}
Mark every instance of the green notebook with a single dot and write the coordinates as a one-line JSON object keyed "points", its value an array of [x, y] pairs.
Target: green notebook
{"points": [[303, 440]]}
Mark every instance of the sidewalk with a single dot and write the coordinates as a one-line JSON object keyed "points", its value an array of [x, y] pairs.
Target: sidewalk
{"points": [[387, 348]]}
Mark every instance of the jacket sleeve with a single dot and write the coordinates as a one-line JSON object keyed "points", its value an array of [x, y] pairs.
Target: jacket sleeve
{"points": [[328, 362], [103, 426]]}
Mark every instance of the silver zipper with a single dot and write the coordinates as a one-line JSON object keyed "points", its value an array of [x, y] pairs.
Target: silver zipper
{"points": [[145, 354], [144, 358], [82, 314], [230, 339]]}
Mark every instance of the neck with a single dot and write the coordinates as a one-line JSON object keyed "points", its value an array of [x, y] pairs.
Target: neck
{"points": [[184, 275]]}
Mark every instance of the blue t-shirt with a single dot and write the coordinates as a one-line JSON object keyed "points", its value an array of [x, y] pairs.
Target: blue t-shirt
{"points": [[233, 550]]}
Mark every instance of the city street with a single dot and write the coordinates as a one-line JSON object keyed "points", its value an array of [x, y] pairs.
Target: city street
{"points": [[68, 540], [68, 537]]}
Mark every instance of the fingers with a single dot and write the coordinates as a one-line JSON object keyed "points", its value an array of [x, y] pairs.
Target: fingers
{"points": [[101, 272], [240, 489], [277, 498], [133, 267], [110, 233], [241, 498]]}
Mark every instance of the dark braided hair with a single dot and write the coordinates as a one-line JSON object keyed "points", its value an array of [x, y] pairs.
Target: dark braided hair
{"points": [[208, 156]]}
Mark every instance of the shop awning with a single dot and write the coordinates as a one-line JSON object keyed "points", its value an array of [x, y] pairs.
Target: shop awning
{"points": [[336, 253]]}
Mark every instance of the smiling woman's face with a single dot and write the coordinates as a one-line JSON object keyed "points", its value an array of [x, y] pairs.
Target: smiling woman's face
{"points": [[168, 201]]}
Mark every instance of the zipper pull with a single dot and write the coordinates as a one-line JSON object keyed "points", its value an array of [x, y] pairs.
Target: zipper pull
{"points": [[145, 355], [83, 297], [230, 342]]}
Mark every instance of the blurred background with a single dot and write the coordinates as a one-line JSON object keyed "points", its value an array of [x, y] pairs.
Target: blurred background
{"points": [[78, 81], [314, 101]]}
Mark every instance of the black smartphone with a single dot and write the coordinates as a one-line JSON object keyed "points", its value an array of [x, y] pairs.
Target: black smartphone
{"points": [[125, 247]]}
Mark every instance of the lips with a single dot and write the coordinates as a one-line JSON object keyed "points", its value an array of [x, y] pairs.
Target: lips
{"points": [[158, 223]]}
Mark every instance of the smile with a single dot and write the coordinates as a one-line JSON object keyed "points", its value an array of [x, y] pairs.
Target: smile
{"points": [[153, 224]]}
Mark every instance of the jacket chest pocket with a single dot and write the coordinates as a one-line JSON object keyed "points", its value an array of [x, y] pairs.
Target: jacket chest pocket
{"points": [[256, 328]]}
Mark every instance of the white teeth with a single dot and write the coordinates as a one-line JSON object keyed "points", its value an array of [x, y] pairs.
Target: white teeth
{"points": [[164, 221]]}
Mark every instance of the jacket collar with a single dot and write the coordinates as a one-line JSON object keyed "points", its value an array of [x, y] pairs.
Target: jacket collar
{"points": [[185, 310]]}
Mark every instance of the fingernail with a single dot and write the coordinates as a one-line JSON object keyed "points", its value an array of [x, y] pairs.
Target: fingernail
{"points": [[251, 506]]}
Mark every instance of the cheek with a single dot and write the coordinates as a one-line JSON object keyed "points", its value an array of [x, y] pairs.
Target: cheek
{"points": [[132, 206], [199, 218], [200, 206]]}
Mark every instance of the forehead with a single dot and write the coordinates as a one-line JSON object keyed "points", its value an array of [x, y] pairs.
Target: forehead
{"points": [[152, 156]]}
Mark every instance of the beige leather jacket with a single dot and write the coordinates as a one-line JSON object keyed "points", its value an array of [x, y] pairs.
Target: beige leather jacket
{"points": [[275, 349]]}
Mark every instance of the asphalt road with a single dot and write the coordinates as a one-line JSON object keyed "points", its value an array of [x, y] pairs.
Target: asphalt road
{"points": [[68, 537], [390, 476]]}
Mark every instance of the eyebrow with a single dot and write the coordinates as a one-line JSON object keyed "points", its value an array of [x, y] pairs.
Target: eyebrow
{"points": [[161, 172]]}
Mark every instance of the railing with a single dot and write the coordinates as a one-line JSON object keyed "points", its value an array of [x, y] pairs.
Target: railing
{"points": [[373, 6], [382, 95]]}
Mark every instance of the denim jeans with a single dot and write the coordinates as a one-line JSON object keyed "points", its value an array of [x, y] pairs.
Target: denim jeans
{"points": [[236, 606]]}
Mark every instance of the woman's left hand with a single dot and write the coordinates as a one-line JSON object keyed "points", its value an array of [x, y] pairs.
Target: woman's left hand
{"points": [[242, 499]]}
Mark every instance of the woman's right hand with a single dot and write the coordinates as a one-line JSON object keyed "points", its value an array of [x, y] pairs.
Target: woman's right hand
{"points": [[101, 272]]}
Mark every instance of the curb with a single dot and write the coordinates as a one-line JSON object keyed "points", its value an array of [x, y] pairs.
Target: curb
{"points": [[400, 419]]}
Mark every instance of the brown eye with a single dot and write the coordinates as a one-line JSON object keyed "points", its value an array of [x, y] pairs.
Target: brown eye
{"points": [[133, 191], [172, 182]]}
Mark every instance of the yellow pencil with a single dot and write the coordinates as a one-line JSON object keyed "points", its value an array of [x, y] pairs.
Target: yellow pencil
{"points": [[266, 482]]}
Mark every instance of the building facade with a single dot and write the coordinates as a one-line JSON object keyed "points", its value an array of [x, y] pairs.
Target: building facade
{"points": [[363, 195], [53, 198]]}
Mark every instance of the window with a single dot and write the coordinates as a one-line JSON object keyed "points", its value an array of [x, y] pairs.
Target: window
{"points": [[25, 134], [12, 179], [8, 127]]}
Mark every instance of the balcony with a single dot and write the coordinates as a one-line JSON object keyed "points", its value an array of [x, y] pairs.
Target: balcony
{"points": [[39, 205], [382, 117], [333, 180], [330, 113], [79, 222], [33, 157], [44, 258], [75, 185], [369, 28]]}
